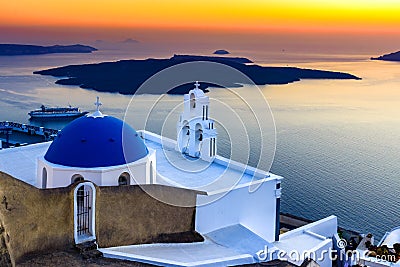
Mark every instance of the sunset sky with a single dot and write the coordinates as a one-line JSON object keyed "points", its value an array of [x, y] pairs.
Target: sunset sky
{"points": [[360, 17]]}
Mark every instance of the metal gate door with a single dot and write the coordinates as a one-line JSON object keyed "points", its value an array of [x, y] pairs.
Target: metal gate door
{"points": [[84, 211], [84, 207]]}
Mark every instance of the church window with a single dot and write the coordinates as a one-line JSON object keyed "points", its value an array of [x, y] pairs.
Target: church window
{"points": [[76, 178], [44, 178], [124, 179]]}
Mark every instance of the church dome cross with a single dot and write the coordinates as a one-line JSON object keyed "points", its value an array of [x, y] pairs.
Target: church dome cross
{"points": [[98, 104], [97, 113]]}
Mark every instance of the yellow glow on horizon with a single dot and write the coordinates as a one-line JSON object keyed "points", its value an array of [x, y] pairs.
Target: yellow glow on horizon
{"points": [[250, 15]]}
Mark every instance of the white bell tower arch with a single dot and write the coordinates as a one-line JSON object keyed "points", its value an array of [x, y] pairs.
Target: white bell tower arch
{"points": [[196, 133]]}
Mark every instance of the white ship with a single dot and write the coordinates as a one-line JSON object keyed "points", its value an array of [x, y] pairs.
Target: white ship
{"points": [[56, 112]]}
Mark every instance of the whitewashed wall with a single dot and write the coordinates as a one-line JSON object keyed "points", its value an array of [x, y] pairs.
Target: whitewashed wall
{"points": [[326, 227], [324, 230], [60, 176], [256, 211]]}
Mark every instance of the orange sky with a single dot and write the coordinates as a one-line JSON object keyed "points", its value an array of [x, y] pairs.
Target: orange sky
{"points": [[359, 16]]}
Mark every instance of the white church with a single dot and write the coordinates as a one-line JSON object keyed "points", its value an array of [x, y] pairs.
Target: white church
{"points": [[237, 211]]}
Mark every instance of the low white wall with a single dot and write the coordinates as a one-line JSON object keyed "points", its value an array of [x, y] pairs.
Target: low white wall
{"points": [[241, 167], [324, 230], [256, 210], [326, 227], [165, 141]]}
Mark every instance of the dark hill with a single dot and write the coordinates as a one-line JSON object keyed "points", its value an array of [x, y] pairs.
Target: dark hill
{"points": [[221, 52], [20, 49], [126, 76], [389, 57]]}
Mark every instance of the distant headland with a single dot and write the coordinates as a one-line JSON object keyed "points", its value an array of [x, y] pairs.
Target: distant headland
{"points": [[221, 52], [389, 57], [22, 49], [126, 76]]}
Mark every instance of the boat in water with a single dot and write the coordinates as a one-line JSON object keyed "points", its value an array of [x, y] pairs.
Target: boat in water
{"points": [[56, 112]]}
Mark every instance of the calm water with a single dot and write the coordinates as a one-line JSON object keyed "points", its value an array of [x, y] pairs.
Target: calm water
{"points": [[337, 142]]}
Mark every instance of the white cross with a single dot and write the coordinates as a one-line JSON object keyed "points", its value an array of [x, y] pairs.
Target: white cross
{"points": [[197, 84], [98, 104]]}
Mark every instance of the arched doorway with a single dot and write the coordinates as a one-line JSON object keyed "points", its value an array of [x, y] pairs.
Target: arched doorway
{"points": [[44, 178], [84, 212], [192, 101], [198, 139], [184, 137], [124, 179]]}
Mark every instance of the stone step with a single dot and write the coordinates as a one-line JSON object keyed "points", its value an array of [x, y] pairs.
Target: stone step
{"points": [[92, 254], [86, 246]]}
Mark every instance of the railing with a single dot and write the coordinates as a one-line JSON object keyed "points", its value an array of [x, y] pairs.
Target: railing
{"points": [[20, 127]]}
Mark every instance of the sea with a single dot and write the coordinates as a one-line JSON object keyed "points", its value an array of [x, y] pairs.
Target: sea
{"points": [[335, 142]]}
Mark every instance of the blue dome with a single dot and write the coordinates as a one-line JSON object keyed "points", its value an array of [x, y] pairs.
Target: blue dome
{"points": [[90, 142]]}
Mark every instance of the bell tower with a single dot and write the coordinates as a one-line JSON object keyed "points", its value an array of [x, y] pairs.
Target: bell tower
{"points": [[196, 135]]}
